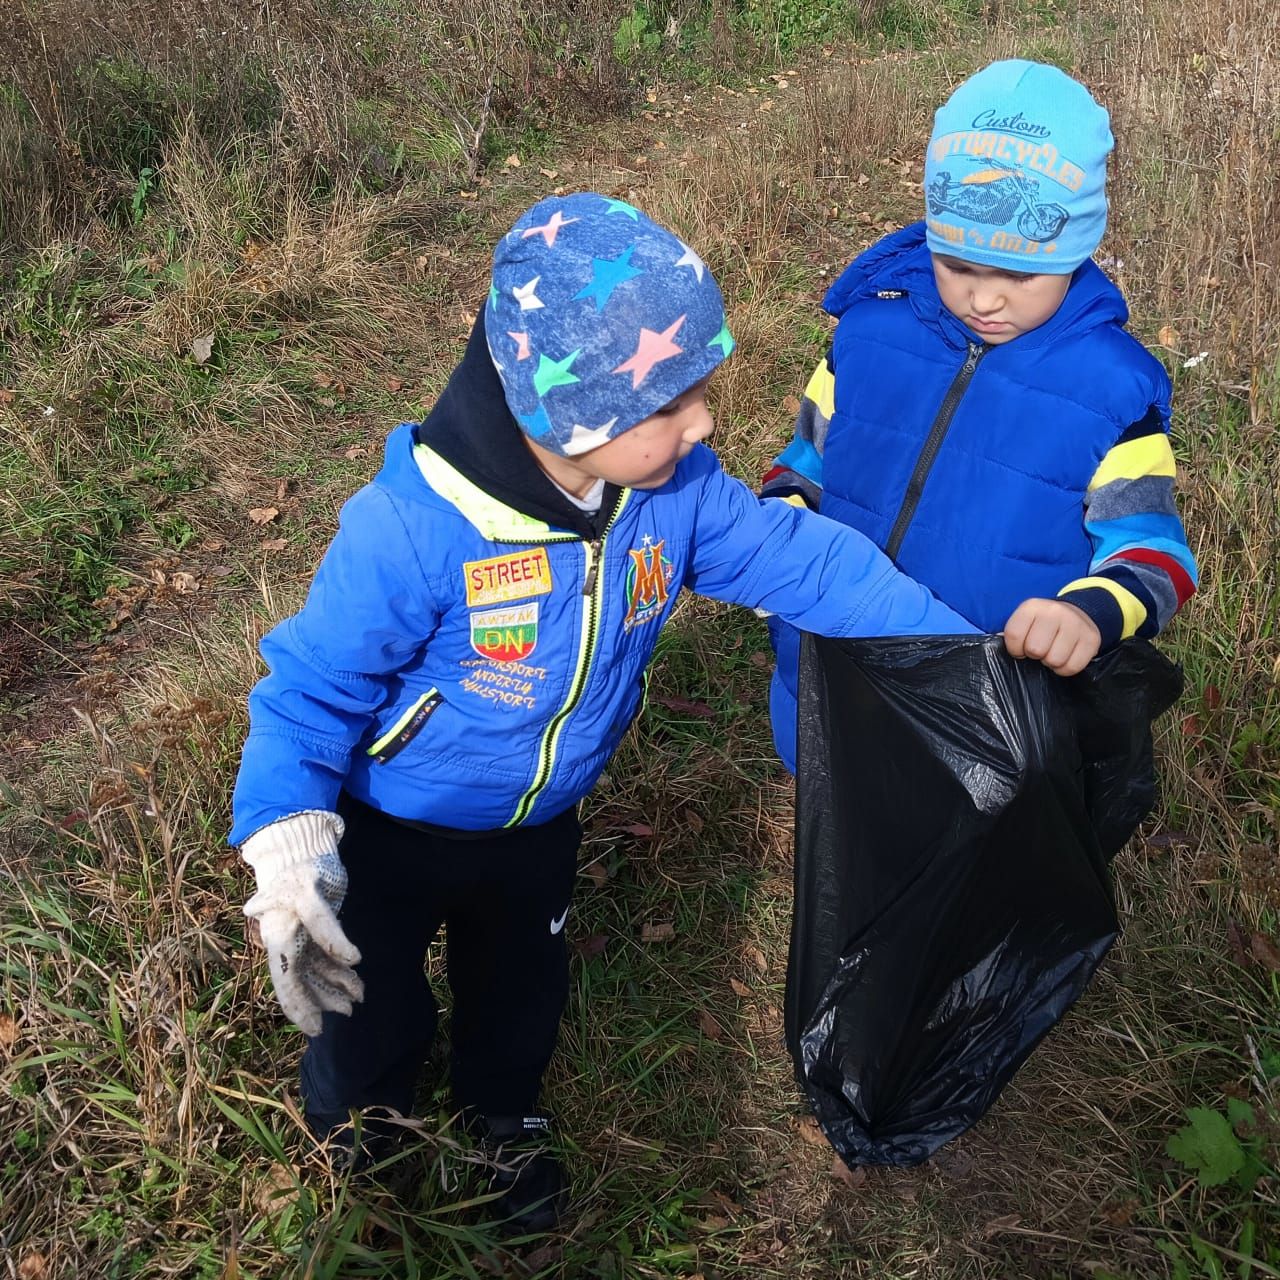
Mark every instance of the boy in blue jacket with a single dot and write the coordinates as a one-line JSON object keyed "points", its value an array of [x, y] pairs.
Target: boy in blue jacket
{"points": [[473, 649], [983, 416]]}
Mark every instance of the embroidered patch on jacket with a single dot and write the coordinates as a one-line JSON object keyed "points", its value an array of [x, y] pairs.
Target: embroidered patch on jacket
{"points": [[510, 577], [648, 582], [505, 635]]}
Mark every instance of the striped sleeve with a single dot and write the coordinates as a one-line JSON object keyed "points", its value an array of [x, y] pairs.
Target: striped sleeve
{"points": [[796, 473], [1141, 570]]}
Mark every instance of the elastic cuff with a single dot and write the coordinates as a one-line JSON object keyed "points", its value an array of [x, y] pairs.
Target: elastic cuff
{"points": [[301, 837], [1103, 609]]}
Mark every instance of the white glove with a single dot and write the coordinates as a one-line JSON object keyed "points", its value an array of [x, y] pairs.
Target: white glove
{"points": [[301, 884]]}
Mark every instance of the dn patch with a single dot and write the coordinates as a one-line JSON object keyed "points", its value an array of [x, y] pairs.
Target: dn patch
{"points": [[505, 635]]}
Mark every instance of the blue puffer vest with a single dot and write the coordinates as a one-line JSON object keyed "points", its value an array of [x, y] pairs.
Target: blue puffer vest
{"points": [[969, 464]]}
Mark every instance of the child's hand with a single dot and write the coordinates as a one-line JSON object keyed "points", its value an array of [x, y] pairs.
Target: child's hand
{"points": [[1054, 632]]}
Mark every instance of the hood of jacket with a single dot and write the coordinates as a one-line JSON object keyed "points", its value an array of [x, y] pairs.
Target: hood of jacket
{"points": [[474, 431], [901, 263]]}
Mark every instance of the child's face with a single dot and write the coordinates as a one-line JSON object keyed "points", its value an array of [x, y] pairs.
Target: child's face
{"points": [[997, 305], [645, 456]]}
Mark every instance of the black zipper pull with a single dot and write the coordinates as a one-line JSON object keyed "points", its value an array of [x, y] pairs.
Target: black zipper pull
{"points": [[593, 567]]}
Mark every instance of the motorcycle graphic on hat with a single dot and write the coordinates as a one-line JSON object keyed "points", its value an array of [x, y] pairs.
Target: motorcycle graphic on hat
{"points": [[994, 195]]}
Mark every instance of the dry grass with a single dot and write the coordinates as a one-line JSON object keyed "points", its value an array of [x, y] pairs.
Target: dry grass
{"points": [[145, 1079]]}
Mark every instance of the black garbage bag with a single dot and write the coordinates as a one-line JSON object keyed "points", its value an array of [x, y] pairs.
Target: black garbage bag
{"points": [[956, 813]]}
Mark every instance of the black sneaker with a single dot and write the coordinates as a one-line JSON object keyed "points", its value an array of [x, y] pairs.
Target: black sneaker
{"points": [[377, 1143], [528, 1173]]}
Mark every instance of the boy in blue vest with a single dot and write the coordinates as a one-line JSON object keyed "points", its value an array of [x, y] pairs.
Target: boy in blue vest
{"points": [[471, 652], [982, 415]]}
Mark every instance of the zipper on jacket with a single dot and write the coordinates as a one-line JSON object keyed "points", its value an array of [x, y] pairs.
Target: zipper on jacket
{"points": [[593, 567], [933, 442], [406, 728], [586, 648]]}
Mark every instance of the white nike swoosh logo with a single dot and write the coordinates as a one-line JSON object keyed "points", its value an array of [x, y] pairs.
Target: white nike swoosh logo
{"points": [[557, 925]]}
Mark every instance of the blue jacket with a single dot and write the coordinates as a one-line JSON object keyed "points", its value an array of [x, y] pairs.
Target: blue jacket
{"points": [[971, 465], [463, 664]]}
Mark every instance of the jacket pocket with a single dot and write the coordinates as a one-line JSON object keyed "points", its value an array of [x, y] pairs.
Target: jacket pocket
{"points": [[406, 728]]}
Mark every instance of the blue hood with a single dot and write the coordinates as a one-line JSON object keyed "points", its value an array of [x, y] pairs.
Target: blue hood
{"points": [[902, 263]]}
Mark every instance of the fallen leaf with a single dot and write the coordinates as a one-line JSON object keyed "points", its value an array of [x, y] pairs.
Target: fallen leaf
{"points": [[709, 1026], [641, 830], [843, 1174], [1003, 1223], [543, 1256], [810, 1134], [8, 1031], [756, 957], [34, 1266], [663, 931], [791, 404], [1170, 840], [394, 384], [219, 571], [590, 947], [184, 584], [1168, 336], [1237, 945], [1120, 1212], [686, 705], [274, 544], [202, 348], [467, 195], [739, 989], [275, 1189], [263, 515], [550, 174], [1212, 697], [512, 161], [597, 873], [729, 1205], [322, 380], [1265, 952], [212, 544], [355, 451], [282, 489], [7, 396]]}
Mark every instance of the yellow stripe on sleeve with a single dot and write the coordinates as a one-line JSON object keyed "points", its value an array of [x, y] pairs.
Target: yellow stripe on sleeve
{"points": [[1145, 456], [822, 390], [794, 500], [1132, 610]]}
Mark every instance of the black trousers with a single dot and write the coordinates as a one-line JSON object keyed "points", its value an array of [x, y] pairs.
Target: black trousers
{"points": [[504, 900]]}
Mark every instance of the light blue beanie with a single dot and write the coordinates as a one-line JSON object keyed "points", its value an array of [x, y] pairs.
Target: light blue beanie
{"points": [[1015, 174], [597, 318]]}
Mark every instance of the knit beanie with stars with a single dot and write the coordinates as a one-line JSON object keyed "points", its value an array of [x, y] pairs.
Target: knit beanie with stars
{"points": [[1016, 170], [598, 317]]}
